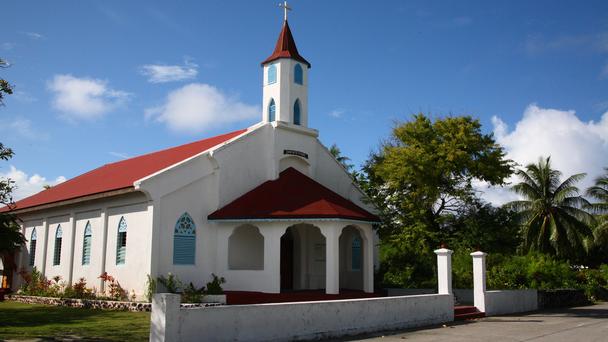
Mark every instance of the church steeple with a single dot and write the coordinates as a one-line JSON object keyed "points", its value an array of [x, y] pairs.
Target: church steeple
{"points": [[286, 47], [285, 89]]}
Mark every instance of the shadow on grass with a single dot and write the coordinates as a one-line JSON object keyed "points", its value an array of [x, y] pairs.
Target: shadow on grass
{"points": [[51, 323], [43, 315]]}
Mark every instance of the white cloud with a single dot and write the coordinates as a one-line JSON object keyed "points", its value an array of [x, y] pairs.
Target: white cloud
{"points": [[575, 146], [196, 107], [34, 35], [119, 155], [336, 113], [84, 98], [7, 46], [21, 127], [26, 185], [158, 73]]}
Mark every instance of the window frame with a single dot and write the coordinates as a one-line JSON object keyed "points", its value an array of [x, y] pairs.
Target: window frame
{"points": [[184, 236], [57, 247]]}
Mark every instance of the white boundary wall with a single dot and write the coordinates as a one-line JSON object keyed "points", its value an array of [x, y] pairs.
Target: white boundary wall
{"points": [[498, 302], [295, 321], [510, 301]]}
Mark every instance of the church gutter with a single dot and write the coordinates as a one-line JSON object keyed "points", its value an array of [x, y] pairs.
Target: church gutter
{"points": [[334, 219], [75, 200]]}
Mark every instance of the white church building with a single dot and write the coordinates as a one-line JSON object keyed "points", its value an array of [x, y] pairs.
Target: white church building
{"points": [[267, 207]]}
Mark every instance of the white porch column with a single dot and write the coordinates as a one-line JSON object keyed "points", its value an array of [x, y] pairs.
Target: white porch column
{"points": [[272, 233], [444, 270], [368, 260], [332, 255], [479, 280]]}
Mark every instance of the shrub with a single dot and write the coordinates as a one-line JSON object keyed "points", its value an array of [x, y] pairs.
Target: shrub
{"points": [[214, 287], [113, 288], [79, 290], [171, 283], [192, 295], [150, 287], [534, 270]]}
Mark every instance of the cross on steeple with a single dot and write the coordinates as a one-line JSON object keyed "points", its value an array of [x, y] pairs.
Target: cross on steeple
{"points": [[285, 8]]}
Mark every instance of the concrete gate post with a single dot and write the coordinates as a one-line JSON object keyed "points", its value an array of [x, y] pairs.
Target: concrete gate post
{"points": [[444, 270], [479, 280]]}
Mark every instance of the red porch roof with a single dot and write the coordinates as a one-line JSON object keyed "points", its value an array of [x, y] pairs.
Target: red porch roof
{"points": [[122, 174], [292, 196]]}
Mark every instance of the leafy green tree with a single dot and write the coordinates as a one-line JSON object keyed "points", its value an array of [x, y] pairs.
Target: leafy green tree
{"points": [[551, 213], [599, 191], [419, 179], [481, 226], [5, 87], [426, 169], [11, 238]]}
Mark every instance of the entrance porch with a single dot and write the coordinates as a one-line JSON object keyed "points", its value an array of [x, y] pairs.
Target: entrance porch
{"points": [[286, 257]]}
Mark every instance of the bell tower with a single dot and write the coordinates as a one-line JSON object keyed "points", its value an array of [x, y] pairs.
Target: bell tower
{"points": [[285, 88]]}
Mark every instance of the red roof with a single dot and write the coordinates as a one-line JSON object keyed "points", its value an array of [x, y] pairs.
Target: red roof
{"points": [[292, 196], [286, 47], [121, 174]]}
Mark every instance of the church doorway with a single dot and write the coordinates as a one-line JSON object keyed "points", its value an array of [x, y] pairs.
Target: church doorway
{"points": [[287, 261], [302, 258]]}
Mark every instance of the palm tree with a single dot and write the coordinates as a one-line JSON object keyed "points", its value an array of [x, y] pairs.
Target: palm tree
{"points": [[335, 151], [551, 213], [599, 191]]}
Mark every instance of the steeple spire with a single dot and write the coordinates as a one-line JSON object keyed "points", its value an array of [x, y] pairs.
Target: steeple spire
{"points": [[286, 47]]}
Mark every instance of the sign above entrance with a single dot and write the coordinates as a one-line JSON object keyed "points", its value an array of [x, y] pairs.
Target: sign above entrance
{"points": [[296, 153]]}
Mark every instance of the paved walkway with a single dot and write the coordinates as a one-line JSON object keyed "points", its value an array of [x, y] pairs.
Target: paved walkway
{"points": [[588, 323]]}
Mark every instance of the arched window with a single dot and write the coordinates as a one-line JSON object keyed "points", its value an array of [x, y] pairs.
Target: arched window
{"points": [[298, 74], [86, 245], [121, 241], [184, 241], [272, 74], [57, 251], [296, 113], [33, 238], [356, 254], [271, 111]]}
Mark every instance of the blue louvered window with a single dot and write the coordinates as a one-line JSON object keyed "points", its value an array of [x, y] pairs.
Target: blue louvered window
{"points": [[184, 241], [271, 110], [121, 242], [298, 74], [33, 238], [86, 245], [272, 74], [356, 254], [296, 113], [57, 251]]}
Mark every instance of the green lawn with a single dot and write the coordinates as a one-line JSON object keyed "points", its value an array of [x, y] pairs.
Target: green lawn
{"points": [[27, 321]]}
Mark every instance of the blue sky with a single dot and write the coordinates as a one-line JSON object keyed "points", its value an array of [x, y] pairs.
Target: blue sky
{"points": [[95, 81]]}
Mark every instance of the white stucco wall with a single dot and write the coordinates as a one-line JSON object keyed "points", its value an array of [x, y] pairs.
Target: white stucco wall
{"points": [[295, 321], [510, 301], [73, 218]]}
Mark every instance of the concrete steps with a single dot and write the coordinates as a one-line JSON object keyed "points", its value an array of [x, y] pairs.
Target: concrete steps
{"points": [[463, 313]]}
